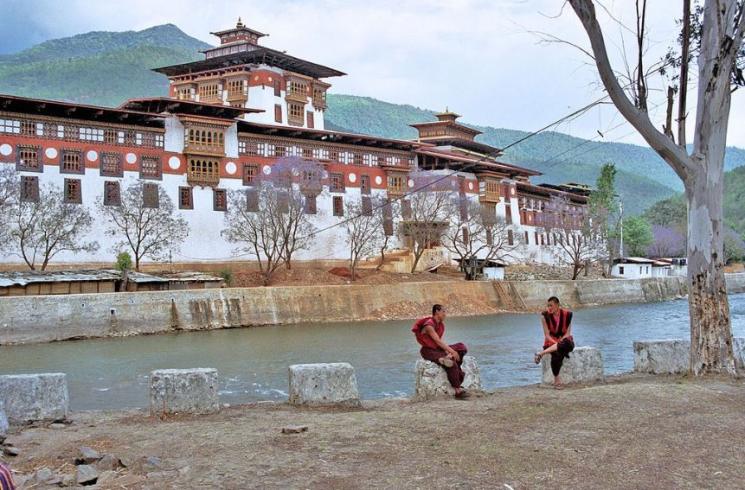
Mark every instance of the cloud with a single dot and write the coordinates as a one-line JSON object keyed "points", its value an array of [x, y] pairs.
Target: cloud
{"points": [[478, 57]]}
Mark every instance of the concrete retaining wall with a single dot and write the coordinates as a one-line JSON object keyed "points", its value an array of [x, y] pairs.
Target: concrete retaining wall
{"points": [[48, 318]]}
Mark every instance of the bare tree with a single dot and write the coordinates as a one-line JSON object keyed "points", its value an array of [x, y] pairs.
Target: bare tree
{"points": [[9, 185], [297, 232], [701, 171], [41, 228], [144, 222], [364, 227], [429, 221], [577, 240], [268, 222], [478, 232]]}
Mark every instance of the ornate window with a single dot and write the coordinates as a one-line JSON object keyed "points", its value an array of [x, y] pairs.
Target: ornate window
{"points": [[295, 113], [185, 198], [250, 173], [73, 193], [397, 184], [111, 193], [27, 159], [72, 162], [10, 126], [29, 188], [338, 206], [336, 182], [367, 209], [111, 165], [150, 167], [203, 171], [150, 197], [209, 92], [252, 200], [365, 184], [309, 205], [220, 200], [91, 134]]}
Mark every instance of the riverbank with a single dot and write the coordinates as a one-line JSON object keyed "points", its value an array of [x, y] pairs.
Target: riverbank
{"points": [[633, 432], [29, 319]]}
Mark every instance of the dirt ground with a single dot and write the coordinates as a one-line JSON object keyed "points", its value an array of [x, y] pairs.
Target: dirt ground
{"points": [[315, 276], [632, 432]]}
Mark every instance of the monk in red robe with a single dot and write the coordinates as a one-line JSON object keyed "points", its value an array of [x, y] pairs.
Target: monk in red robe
{"points": [[429, 332], [557, 336]]}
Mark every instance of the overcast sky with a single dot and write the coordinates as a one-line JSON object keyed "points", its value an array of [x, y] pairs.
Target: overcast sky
{"points": [[480, 58]]}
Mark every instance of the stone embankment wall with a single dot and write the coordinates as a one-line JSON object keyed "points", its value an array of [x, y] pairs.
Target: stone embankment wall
{"points": [[49, 318]]}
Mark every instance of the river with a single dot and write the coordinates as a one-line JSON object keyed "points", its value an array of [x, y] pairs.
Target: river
{"points": [[252, 362]]}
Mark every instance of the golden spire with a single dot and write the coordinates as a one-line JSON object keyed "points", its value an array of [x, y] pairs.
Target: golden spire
{"points": [[239, 25]]}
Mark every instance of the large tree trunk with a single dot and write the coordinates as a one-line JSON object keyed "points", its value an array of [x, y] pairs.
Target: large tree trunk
{"points": [[702, 172], [711, 335]]}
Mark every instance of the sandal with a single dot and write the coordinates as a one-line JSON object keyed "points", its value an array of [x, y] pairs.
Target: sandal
{"points": [[537, 358]]}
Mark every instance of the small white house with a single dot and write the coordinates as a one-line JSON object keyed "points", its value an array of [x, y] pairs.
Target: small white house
{"points": [[633, 268]]}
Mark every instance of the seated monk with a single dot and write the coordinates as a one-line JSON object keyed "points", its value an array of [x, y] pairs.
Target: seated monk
{"points": [[428, 332], [6, 478], [557, 336]]}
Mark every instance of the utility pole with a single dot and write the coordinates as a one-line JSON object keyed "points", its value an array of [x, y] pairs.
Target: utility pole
{"points": [[620, 247]]}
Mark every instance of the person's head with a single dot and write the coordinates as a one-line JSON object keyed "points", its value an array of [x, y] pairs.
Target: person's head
{"points": [[553, 304], [438, 312]]}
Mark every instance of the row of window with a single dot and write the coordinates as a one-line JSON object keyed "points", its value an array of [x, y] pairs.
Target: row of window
{"points": [[28, 159], [280, 148], [549, 239], [151, 198], [74, 132]]}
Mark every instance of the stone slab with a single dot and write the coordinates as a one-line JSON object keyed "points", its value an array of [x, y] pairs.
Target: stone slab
{"points": [[662, 356], [34, 397], [4, 426], [323, 384], [432, 381], [738, 344], [585, 365], [191, 391]]}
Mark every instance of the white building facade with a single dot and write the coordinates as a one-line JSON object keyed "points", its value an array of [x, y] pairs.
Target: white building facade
{"points": [[228, 122]]}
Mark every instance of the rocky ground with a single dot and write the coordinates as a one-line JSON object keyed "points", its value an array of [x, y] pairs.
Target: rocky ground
{"points": [[632, 432]]}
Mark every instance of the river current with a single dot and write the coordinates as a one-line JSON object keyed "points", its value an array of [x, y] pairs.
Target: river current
{"points": [[252, 362]]}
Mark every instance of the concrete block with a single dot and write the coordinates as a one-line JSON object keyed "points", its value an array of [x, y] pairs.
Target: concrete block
{"points": [[34, 397], [432, 381], [4, 426], [184, 391], [662, 356], [585, 365], [738, 345], [323, 384]]}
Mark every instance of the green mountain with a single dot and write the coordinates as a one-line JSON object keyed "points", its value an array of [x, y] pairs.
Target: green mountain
{"points": [[578, 160], [107, 68], [672, 211], [100, 68]]}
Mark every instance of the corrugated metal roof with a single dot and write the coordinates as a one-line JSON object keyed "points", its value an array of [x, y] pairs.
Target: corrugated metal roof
{"points": [[8, 279]]}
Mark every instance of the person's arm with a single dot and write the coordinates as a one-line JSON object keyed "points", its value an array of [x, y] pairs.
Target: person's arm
{"points": [[569, 327], [429, 330], [546, 333]]}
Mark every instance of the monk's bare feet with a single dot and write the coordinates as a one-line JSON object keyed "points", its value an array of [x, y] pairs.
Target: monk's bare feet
{"points": [[446, 361], [461, 394]]}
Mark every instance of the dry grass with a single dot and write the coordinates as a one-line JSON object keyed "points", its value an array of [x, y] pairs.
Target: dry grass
{"points": [[634, 432]]}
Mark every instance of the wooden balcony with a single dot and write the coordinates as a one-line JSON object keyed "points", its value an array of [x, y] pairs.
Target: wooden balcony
{"points": [[237, 96], [301, 97], [208, 177], [204, 149], [319, 103], [488, 191]]}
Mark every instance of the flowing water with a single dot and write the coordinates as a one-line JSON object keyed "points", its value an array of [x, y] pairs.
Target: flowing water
{"points": [[252, 362]]}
